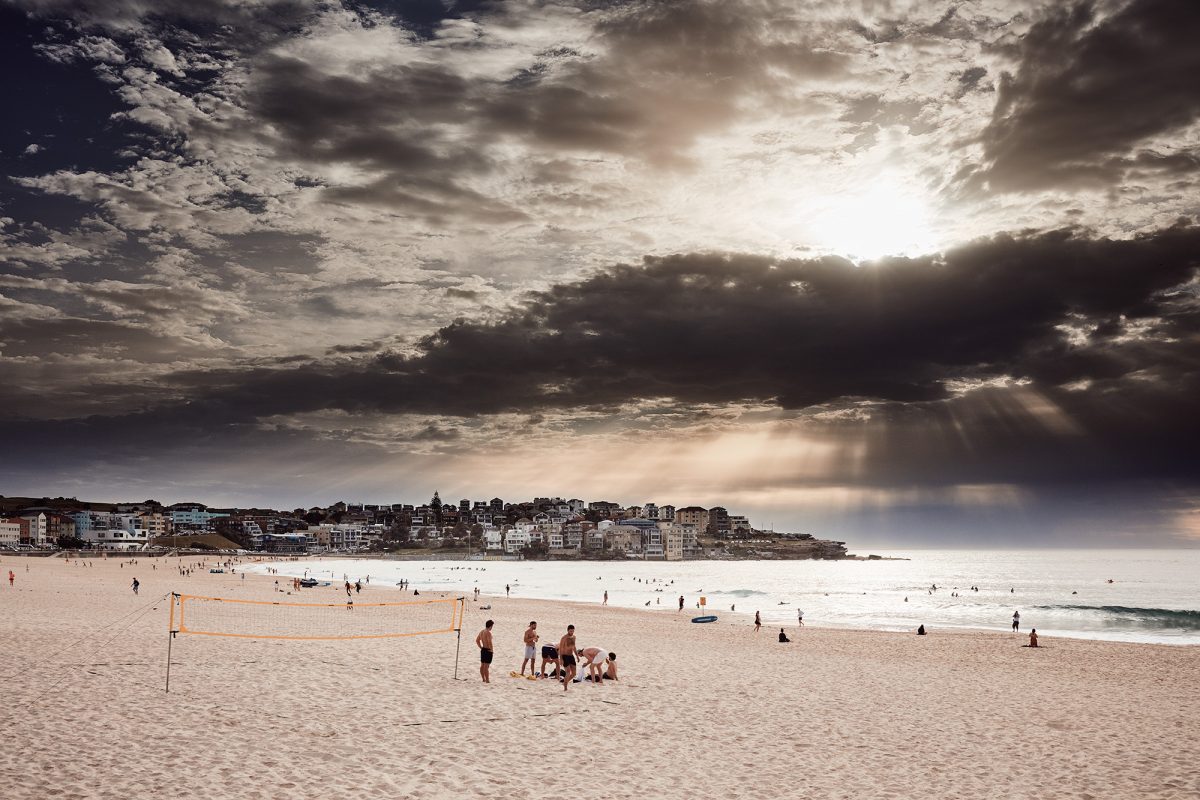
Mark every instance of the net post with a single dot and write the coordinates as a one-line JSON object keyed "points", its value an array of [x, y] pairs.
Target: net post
{"points": [[462, 604], [170, 639]]}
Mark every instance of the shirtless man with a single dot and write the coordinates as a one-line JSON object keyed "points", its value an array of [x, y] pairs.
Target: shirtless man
{"points": [[566, 653], [531, 638], [593, 659], [484, 640]]}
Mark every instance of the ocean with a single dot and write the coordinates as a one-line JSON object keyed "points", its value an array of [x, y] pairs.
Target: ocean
{"points": [[1153, 596]]}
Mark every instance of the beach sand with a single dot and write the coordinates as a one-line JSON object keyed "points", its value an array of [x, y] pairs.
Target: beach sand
{"points": [[701, 710]]}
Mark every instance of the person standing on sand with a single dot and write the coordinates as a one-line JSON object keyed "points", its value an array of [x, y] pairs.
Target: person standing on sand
{"points": [[507, 590], [484, 640], [800, 617], [135, 585], [680, 603], [605, 598], [11, 577], [1016, 620], [757, 622], [566, 653], [531, 638]]}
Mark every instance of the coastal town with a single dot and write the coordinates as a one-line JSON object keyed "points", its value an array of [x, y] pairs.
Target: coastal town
{"points": [[541, 528]]}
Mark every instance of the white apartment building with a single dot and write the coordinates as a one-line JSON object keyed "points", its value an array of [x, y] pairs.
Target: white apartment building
{"points": [[117, 538], [672, 540], [38, 528], [515, 541], [193, 517], [10, 533]]}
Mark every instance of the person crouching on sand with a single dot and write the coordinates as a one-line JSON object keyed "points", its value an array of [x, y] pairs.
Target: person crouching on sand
{"points": [[1033, 638], [549, 656], [484, 640], [593, 659]]}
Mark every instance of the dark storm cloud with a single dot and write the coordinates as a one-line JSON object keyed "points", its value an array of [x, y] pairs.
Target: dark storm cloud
{"points": [[1104, 329], [1090, 91], [129, 14]]}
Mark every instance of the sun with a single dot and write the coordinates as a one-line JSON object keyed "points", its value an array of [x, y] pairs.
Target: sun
{"points": [[883, 219]]}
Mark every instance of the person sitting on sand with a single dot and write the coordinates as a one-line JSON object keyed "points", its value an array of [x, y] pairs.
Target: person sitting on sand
{"points": [[783, 636], [920, 630], [1033, 638]]}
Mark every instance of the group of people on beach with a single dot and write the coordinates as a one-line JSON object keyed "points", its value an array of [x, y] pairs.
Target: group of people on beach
{"points": [[563, 657]]}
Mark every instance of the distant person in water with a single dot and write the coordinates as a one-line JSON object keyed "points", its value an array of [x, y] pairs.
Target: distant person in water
{"points": [[1016, 620], [783, 636], [1033, 638], [920, 630]]}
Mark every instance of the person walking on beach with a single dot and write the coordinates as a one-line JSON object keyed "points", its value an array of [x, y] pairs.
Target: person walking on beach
{"points": [[757, 622], [1016, 620], [680, 603], [507, 589], [605, 598], [531, 638], [566, 654], [135, 585], [800, 617], [484, 640], [11, 577]]}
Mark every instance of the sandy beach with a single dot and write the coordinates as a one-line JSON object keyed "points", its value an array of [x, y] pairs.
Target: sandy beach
{"points": [[700, 710]]}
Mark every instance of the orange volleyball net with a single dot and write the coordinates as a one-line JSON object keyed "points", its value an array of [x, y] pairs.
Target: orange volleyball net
{"points": [[265, 619]]}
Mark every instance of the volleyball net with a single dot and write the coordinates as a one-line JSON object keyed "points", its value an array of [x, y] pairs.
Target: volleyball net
{"points": [[264, 619]]}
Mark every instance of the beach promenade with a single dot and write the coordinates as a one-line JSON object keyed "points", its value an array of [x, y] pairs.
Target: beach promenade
{"points": [[700, 711]]}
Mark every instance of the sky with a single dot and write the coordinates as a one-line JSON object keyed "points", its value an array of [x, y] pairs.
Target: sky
{"points": [[896, 273]]}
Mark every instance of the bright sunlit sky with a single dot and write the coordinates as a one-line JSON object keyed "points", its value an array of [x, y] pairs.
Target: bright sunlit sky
{"points": [[897, 273]]}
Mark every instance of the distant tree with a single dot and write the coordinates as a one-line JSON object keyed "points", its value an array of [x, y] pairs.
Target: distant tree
{"points": [[436, 505], [71, 543]]}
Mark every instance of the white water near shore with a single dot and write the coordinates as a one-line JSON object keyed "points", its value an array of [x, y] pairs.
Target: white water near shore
{"points": [[1154, 596]]}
